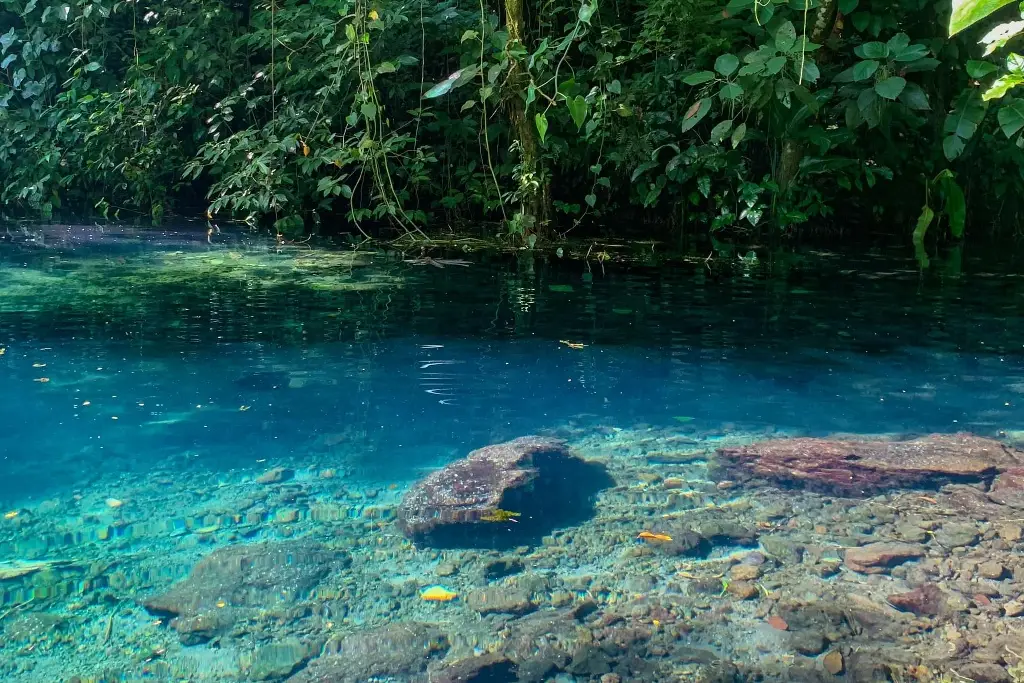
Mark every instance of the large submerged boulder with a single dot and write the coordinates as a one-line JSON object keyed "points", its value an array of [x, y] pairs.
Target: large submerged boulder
{"points": [[236, 580], [505, 494], [855, 467]]}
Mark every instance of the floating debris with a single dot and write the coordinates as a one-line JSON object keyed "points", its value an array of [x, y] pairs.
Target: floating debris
{"points": [[114, 503], [652, 536], [571, 344], [11, 515], [438, 594], [499, 515]]}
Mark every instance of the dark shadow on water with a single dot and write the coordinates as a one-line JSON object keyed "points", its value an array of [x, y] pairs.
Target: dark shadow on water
{"points": [[561, 496]]}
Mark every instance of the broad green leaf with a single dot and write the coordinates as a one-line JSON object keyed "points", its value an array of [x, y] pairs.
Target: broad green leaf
{"points": [[697, 111], [730, 91], [369, 111], [873, 50], [704, 185], [736, 6], [444, 86], [847, 6], [720, 130], [590, 199], [911, 53], [923, 221], [578, 110], [6, 40], [726, 64], [1001, 35], [541, 121], [494, 71], [864, 70], [615, 87], [976, 69], [386, 68], [469, 35], [1011, 116], [1015, 64], [952, 146], [774, 65], [587, 11], [956, 204], [531, 94], [738, 135], [699, 77], [785, 36], [468, 104], [811, 72], [925, 64], [968, 113], [7, 61], [898, 43], [914, 97], [751, 69], [1001, 86], [967, 12], [861, 21], [845, 76], [891, 87]]}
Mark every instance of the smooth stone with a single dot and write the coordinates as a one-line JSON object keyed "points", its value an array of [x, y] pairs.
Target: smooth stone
{"points": [[497, 599], [956, 535], [833, 662], [992, 570], [876, 558]]}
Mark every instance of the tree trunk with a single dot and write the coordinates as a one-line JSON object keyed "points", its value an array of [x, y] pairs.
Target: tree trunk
{"points": [[824, 22], [534, 189]]}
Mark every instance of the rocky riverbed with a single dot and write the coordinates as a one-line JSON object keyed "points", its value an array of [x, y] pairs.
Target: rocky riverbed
{"points": [[698, 556]]}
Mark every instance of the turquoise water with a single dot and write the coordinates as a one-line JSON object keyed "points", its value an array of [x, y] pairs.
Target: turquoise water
{"points": [[141, 402]]}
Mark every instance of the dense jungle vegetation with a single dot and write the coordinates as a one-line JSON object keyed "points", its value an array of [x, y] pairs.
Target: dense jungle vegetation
{"points": [[538, 116]]}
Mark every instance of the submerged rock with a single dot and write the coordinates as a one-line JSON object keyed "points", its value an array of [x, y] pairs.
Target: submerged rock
{"points": [[863, 466], [508, 493], [240, 577], [399, 651], [926, 600], [876, 558]]}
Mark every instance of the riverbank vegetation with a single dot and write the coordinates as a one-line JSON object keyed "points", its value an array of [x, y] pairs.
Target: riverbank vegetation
{"points": [[539, 117]]}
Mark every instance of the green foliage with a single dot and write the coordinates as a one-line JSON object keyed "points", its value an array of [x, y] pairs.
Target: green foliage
{"points": [[727, 116]]}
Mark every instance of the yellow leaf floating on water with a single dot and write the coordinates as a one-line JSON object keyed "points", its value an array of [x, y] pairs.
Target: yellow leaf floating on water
{"points": [[571, 345], [11, 515], [499, 515], [42, 380], [2, 351], [438, 594], [221, 604], [39, 365]]}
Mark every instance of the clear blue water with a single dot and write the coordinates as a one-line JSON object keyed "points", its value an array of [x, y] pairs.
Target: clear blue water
{"points": [[386, 384]]}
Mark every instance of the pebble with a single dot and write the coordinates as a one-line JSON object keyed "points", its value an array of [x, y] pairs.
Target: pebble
{"points": [[276, 475], [991, 570], [744, 572], [286, 516], [777, 623], [1014, 608], [833, 662], [956, 535], [744, 590], [1010, 532]]}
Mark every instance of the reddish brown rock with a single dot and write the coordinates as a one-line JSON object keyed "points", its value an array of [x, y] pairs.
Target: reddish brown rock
{"points": [[1008, 488], [854, 466], [924, 601], [535, 477], [876, 558]]}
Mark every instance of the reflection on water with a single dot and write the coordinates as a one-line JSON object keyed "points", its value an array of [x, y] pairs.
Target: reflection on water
{"points": [[204, 443]]}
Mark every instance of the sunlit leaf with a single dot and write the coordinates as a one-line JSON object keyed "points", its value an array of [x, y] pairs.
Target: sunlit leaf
{"points": [[967, 12], [369, 110], [923, 221], [469, 35], [587, 11], [541, 121], [1001, 86], [578, 110], [1001, 35], [468, 104]]}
